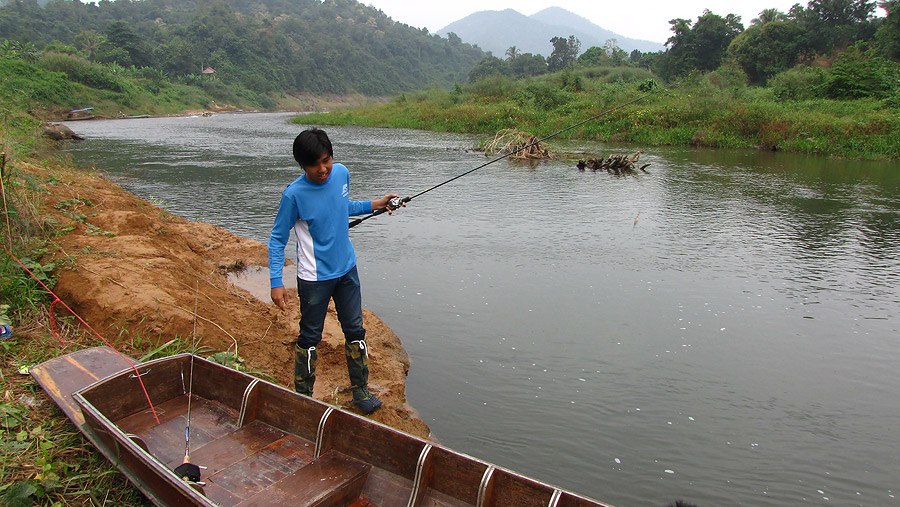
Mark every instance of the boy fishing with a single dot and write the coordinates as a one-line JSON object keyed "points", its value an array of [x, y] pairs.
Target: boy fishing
{"points": [[317, 206]]}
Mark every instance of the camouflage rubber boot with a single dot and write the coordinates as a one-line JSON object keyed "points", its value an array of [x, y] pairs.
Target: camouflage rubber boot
{"points": [[304, 369], [358, 369]]}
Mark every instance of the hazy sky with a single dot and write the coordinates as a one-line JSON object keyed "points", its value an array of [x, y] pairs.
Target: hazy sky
{"points": [[647, 19]]}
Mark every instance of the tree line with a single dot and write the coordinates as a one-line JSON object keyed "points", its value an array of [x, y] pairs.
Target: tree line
{"points": [[859, 50], [830, 48]]}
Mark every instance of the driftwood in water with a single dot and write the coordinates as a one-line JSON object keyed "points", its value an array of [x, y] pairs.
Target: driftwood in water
{"points": [[620, 165], [522, 145]]}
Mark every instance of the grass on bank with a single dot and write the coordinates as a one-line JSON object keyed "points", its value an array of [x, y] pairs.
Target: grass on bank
{"points": [[57, 82], [44, 459], [716, 109]]}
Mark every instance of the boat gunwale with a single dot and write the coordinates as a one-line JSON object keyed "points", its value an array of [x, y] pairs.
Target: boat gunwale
{"points": [[135, 368]]}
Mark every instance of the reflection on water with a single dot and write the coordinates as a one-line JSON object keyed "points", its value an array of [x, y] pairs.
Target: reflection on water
{"points": [[735, 346]]}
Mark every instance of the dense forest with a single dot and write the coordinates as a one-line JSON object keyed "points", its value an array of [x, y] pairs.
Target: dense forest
{"points": [[265, 46]]}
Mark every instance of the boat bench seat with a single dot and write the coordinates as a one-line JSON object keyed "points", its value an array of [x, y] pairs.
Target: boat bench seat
{"points": [[334, 479]]}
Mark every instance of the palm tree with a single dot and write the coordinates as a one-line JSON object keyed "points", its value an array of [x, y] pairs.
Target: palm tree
{"points": [[767, 16], [89, 41], [512, 52]]}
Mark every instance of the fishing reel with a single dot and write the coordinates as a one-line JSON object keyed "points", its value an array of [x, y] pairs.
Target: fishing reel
{"points": [[188, 472], [395, 203], [392, 205]]}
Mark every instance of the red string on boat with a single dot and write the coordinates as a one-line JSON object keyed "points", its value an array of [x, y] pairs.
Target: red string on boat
{"points": [[54, 328]]}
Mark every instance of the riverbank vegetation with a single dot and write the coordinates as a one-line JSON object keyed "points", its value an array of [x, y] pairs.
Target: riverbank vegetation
{"points": [[45, 461], [823, 80], [50, 83], [716, 109]]}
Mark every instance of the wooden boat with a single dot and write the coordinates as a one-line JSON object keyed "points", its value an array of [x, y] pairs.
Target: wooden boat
{"points": [[262, 444]]}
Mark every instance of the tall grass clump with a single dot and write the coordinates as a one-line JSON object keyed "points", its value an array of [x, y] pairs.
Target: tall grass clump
{"points": [[24, 86], [83, 71]]}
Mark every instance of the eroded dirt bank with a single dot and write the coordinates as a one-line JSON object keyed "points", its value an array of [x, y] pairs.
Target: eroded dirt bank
{"points": [[134, 272]]}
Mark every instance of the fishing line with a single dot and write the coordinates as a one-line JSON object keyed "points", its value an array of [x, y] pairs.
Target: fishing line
{"points": [[187, 431], [397, 202]]}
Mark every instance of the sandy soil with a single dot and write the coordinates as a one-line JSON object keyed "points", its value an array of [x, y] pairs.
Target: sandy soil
{"points": [[134, 273]]}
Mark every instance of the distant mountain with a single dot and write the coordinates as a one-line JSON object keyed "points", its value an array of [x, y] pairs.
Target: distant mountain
{"points": [[496, 31]]}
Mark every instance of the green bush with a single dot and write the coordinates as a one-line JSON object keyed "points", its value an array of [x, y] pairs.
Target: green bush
{"points": [[859, 74], [627, 75], [15, 50], [595, 72], [728, 76], [892, 102], [496, 86], [59, 47], [798, 83], [543, 96], [571, 82], [606, 74]]}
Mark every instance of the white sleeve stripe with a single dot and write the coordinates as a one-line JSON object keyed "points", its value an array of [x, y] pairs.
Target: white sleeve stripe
{"points": [[306, 252]]}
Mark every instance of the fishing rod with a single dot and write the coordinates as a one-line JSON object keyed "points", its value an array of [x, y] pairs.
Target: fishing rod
{"points": [[187, 470], [398, 202]]}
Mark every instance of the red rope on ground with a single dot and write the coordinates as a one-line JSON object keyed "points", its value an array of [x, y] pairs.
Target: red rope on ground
{"points": [[54, 327], [55, 331], [3, 191]]}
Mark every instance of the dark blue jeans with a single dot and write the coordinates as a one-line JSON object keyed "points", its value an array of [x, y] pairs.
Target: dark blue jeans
{"points": [[314, 297]]}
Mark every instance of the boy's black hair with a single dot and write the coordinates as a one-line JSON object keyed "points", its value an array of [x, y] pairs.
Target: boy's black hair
{"points": [[309, 146]]}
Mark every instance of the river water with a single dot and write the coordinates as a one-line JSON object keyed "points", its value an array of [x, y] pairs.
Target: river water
{"points": [[723, 330]]}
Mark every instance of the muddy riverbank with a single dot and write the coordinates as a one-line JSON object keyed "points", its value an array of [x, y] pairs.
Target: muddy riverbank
{"points": [[135, 272]]}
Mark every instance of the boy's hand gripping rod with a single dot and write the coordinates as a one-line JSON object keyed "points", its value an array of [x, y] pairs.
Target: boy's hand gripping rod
{"points": [[397, 202]]}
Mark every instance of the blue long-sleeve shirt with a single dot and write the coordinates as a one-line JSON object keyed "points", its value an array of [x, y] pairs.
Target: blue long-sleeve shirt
{"points": [[319, 215]]}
